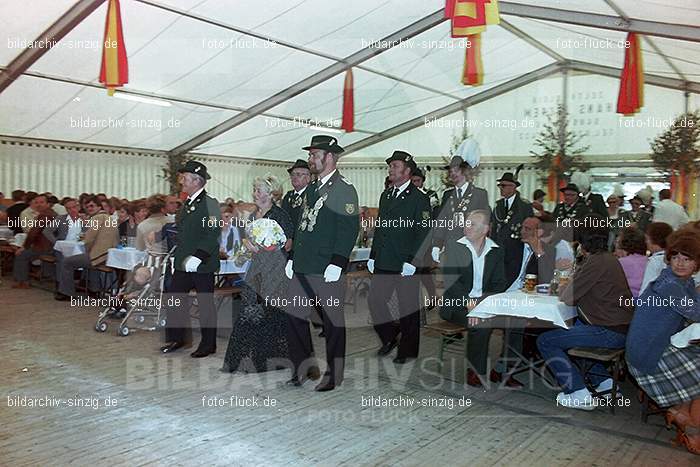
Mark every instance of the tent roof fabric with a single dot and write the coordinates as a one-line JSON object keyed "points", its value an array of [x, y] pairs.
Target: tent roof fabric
{"points": [[232, 78]]}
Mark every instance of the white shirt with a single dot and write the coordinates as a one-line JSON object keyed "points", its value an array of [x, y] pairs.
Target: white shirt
{"points": [[223, 239], [671, 213], [461, 189], [323, 180], [74, 229], [478, 262], [402, 187], [300, 192], [59, 209], [563, 250], [509, 201], [655, 265], [194, 195], [520, 280]]}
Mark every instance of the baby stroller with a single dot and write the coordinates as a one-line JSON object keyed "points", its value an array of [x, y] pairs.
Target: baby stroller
{"points": [[140, 298]]}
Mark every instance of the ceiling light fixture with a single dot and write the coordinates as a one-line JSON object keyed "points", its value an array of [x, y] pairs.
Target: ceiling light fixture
{"points": [[142, 100]]}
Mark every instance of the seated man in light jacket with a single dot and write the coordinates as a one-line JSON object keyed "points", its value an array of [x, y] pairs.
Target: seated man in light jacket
{"points": [[101, 234]]}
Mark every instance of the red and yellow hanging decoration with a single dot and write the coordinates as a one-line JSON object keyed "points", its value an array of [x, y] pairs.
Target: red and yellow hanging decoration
{"points": [[631, 96], [348, 123], [469, 19], [114, 72]]}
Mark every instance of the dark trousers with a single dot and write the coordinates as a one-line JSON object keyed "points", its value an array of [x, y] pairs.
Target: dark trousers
{"points": [[478, 345], [178, 315], [383, 285], [300, 307], [23, 261]]}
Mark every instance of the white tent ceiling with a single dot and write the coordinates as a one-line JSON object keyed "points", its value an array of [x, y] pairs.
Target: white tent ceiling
{"points": [[209, 61]]}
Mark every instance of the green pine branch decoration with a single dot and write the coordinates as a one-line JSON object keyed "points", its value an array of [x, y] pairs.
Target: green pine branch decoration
{"points": [[678, 148], [556, 139], [173, 164]]}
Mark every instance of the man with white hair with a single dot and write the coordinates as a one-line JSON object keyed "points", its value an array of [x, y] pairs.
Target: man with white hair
{"points": [[196, 261], [594, 201]]}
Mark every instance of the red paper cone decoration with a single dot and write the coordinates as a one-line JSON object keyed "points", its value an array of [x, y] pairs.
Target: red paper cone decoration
{"points": [[471, 16], [114, 72], [473, 72], [631, 96], [469, 19], [348, 104], [450, 8]]}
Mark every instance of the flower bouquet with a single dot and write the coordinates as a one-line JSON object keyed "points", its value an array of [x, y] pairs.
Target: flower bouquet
{"points": [[266, 233]]}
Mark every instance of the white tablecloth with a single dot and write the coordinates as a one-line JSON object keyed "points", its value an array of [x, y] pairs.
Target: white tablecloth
{"points": [[682, 339], [125, 258], [228, 266], [524, 305], [69, 248], [359, 254]]}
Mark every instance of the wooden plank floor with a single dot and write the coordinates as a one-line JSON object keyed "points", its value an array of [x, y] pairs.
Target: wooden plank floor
{"points": [[50, 350]]}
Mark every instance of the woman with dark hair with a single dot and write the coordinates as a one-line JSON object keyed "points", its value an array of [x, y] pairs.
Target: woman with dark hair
{"points": [[655, 238], [127, 224], [670, 375], [598, 288], [631, 249]]}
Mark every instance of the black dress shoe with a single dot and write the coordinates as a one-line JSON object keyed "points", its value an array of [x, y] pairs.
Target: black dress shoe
{"points": [[171, 347], [387, 348], [60, 297], [325, 386], [202, 353]]}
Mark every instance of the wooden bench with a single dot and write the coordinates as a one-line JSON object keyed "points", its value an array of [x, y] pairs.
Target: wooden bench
{"points": [[614, 358], [450, 335]]}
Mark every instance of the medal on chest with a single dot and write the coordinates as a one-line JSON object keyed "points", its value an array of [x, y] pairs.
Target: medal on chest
{"points": [[296, 201], [462, 206], [309, 216]]}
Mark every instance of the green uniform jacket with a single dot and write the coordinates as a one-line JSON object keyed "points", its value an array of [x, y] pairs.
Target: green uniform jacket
{"points": [[458, 276], [450, 226], [292, 203], [198, 233], [328, 226], [578, 211], [403, 225]]}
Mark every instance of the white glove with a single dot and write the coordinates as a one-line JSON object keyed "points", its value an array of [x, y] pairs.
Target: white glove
{"points": [[192, 263], [332, 273], [435, 253], [408, 269], [288, 271], [370, 265]]}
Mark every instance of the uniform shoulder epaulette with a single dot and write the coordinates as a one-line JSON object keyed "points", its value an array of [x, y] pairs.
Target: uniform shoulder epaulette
{"points": [[449, 189], [345, 180]]}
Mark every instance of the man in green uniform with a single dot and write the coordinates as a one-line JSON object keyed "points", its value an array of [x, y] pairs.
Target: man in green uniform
{"points": [[196, 261], [397, 251], [457, 203], [300, 176], [324, 239], [573, 207]]}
